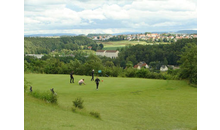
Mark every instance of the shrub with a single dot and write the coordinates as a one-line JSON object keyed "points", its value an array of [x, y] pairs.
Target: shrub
{"points": [[130, 72], [26, 84], [122, 74], [108, 71], [116, 71], [95, 114], [142, 73], [167, 76], [193, 78], [46, 96], [78, 103]]}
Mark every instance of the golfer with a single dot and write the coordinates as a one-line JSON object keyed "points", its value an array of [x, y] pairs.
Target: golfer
{"points": [[52, 90], [31, 89], [92, 75], [71, 77], [97, 82], [81, 81]]}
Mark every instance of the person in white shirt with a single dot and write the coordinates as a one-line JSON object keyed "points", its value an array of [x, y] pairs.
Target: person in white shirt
{"points": [[81, 81]]}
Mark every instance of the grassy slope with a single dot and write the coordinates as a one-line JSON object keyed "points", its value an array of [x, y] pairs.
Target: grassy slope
{"points": [[113, 45], [124, 103]]}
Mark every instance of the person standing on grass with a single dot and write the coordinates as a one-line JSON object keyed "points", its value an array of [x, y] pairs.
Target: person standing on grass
{"points": [[97, 82], [81, 81], [31, 89], [92, 75], [52, 90], [71, 77]]}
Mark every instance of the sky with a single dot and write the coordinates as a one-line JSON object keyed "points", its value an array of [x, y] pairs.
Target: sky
{"points": [[108, 16]]}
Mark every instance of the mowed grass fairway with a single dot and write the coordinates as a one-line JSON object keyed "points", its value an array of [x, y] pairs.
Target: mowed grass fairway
{"points": [[123, 103], [113, 45]]}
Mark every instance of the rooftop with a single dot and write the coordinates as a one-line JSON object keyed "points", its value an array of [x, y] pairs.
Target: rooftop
{"points": [[100, 50], [111, 51]]}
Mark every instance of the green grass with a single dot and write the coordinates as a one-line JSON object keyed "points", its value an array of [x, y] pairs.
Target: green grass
{"points": [[113, 45], [123, 103]]}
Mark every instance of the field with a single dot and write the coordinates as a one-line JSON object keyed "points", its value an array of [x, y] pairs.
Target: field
{"points": [[123, 103], [113, 45]]}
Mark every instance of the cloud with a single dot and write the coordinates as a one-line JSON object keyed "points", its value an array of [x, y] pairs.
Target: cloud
{"points": [[52, 17], [108, 15], [91, 14]]}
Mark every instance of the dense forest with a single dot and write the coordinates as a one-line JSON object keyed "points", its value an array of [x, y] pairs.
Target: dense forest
{"points": [[117, 38], [182, 53], [38, 45], [92, 35], [167, 54]]}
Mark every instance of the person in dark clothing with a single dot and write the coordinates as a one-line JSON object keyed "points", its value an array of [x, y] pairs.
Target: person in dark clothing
{"points": [[31, 89], [97, 83], [52, 90], [71, 77], [92, 75]]}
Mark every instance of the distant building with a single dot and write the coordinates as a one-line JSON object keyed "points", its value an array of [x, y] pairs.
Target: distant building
{"points": [[35, 55], [89, 47], [163, 68], [107, 53], [100, 52], [141, 64]]}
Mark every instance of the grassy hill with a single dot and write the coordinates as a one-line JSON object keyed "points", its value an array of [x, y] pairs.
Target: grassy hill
{"points": [[113, 45], [123, 103]]}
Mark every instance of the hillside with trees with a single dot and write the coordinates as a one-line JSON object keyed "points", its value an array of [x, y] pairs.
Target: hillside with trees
{"points": [[38, 45], [165, 53], [183, 53]]}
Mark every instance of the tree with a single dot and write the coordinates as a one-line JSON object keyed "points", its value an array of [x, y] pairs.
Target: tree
{"points": [[92, 62], [188, 61], [53, 66], [27, 66], [109, 64], [129, 64], [147, 33], [165, 62], [101, 46], [153, 65], [94, 58], [74, 66], [123, 63], [131, 58]]}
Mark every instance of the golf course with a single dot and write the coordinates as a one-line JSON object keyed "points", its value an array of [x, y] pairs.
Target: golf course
{"points": [[114, 45], [123, 104]]}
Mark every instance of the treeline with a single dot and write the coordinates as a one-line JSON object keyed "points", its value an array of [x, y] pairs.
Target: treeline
{"points": [[38, 45], [64, 65], [167, 54], [182, 53], [92, 35], [117, 38]]}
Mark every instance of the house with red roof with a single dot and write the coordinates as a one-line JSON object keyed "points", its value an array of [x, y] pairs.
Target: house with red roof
{"points": [[141, 64], [89, 47]]}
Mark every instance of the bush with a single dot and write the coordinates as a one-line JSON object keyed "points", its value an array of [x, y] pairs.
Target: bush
{"points": [[142, 73], [130, 72], [78, 103], [95, 114], [108, 71], [26, 84], [167, 76], [193, 78], [46, 96], [116, 71]]}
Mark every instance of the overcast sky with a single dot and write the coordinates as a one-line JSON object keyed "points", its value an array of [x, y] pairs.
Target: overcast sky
{"points": [[108, 16]]}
